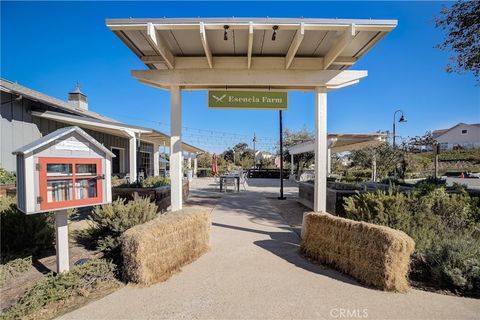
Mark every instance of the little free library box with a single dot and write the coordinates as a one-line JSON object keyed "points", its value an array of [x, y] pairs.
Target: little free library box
{"points": [[64, 169]]}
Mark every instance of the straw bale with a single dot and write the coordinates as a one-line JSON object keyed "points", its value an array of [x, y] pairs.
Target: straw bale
{"points": [[153, 251], [375, 255]]}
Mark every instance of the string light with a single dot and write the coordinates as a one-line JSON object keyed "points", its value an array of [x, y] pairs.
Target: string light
{"points": [[218, 141]]}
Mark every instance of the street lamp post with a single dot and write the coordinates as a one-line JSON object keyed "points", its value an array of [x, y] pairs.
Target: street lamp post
{"points": [[401, 120], [254, 151]]}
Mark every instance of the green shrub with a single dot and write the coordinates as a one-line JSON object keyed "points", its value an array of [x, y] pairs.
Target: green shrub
{"points": [[454, 262], [21, 234], [388, 208], [444, 226], [109, 221], [357, 175], [149, 182], [7, 177], [114, 180], [154, 182], [52, 288], [13, 268], [454, 209], [460, 155], [429, 184]]}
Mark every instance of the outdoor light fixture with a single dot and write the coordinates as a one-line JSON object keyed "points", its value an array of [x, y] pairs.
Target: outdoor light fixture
{"points": [[225, 35], [402, 119], [274, 34]]}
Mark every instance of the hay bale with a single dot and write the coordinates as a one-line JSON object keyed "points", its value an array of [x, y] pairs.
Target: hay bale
{"points": [[153, 251], [375, 255]]}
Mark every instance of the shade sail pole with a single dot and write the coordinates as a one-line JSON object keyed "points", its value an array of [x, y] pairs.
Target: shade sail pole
{"points": [[320, 194], [176, 147], [281, 197]]}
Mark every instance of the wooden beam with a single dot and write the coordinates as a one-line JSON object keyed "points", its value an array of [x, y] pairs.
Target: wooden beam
{"points": [[205, 78], [295, 45], [153, 59], [338, 48], [379, 36], [384, 27], [229, 62], [250, 45], [259, 63], [345, 61], [206, 48], [160, 46]]}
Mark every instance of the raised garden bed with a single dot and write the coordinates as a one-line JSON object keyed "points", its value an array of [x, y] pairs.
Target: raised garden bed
{"points": [[160, 195], [267, 173], [336, 193], [8, 190]]}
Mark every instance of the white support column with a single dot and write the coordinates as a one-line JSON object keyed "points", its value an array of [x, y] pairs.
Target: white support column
{"points": [[176, 147], [320, 186], [156, 159], [132, 153], [189, 161], [61, 236], [291, 164], [320, 193], [195, 166], [374, 168], [329, 161]]}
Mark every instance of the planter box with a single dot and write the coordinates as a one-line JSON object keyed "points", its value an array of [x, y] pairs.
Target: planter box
{"points": [[204, 172], [8, 190], [267, 173], [160, 195], [335, 198]]}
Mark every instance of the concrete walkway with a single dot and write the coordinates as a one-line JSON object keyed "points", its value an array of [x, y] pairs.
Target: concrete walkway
{"points": [[254, 271]]}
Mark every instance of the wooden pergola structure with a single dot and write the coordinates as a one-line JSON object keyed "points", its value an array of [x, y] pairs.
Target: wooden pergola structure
{"points": [[254, 54]]}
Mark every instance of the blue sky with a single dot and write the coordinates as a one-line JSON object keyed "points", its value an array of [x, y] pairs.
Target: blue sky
{"points": [[50, 46]]}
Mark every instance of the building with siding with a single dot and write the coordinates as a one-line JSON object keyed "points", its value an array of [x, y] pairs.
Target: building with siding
{"points": [[462, 135], [27, 115]]}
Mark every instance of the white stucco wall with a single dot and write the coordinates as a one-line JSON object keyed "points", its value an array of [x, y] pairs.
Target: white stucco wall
{"points": [[454, 137]]}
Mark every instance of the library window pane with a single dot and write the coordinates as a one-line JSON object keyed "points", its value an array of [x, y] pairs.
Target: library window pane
{"points": [[59, 190], [59, 169], [85, 188], [85, 169]]}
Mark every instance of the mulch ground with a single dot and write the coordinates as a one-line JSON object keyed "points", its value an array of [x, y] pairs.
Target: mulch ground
{"points": [[15, 287]]}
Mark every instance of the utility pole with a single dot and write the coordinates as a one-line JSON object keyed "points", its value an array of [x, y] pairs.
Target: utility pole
{"points": [[281, 158], [254, 150]]}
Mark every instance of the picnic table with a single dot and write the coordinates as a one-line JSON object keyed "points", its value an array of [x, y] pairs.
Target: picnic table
{"points": [[224, 178]]}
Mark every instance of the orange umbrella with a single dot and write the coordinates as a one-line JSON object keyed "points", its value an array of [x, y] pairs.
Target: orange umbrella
{"points": [[214, 165]]}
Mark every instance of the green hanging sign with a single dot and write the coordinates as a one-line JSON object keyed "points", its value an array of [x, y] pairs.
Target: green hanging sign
{"points": [[268, 100]]}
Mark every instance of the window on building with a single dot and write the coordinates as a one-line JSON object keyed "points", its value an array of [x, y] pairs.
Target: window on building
{"points": [[464, 131], [146, 164], [117, 162], [146, 159]]}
